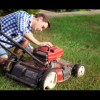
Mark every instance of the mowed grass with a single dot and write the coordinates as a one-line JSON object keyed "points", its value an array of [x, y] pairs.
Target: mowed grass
{"points": [[79, 37]]}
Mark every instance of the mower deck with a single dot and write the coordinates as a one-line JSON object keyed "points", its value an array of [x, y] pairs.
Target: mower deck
{"points": [[63, 69]]}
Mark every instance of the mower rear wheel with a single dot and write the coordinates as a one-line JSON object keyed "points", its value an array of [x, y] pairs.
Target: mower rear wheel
{"points": [[78, 70], [9, 64], [49, 79]]}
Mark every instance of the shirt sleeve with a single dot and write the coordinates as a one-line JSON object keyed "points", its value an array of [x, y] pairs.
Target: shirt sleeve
{"points": [[22, 22], [29, 47]]}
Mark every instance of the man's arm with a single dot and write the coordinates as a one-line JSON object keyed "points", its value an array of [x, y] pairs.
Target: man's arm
{"points": [[32, 39]]}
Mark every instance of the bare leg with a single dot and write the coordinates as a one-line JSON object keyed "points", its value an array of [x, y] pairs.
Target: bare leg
{"points": [[3, 59], [24, 44]]}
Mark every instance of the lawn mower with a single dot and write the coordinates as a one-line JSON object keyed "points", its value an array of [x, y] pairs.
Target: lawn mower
{"points": [[46, 68]]}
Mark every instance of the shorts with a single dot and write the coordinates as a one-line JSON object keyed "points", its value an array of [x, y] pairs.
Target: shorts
{"points": [[3, 51]]}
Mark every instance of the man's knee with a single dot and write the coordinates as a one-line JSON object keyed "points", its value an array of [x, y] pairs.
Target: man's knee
{"points": [[3, 59]]}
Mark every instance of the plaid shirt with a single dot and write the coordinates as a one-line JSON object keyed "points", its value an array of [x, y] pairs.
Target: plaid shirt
{"points": [[18, 22]]}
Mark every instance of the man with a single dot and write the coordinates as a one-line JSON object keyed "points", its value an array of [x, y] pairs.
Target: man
{"points": [[22, 23]]}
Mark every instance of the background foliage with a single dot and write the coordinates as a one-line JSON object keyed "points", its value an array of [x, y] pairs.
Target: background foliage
{"points": [[64, 10], [7, 11], [67, 10]]}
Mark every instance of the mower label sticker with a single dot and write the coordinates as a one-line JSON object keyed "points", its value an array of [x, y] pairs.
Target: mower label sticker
{"points": [[31, 74]]}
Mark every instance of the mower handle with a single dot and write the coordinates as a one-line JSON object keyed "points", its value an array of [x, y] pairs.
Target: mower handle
{"points": [[18, 45]]}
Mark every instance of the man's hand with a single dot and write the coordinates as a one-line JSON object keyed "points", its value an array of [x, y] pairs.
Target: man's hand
{"points": [[45, 44]]}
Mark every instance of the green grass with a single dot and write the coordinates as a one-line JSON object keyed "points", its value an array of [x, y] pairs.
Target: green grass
{"points": [[79, 37]]}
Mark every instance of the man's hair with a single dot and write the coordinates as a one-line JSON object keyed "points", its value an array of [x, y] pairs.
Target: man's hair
{"points": [[45, 18]]}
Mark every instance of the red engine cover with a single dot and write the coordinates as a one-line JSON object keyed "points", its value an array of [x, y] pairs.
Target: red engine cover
{"points": [[54, 52]]}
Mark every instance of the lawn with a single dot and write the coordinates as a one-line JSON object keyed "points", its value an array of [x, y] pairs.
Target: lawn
{"points": [[79, 37]]}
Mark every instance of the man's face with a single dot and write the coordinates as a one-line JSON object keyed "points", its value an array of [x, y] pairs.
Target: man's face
{"points": [[40, 25]]}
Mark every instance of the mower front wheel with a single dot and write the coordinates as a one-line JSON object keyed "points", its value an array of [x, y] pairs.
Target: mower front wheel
{"points": [[78, 70], [49, 79]]}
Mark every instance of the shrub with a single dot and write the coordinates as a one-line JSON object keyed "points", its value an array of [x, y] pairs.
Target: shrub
{"points": [[7, 11], [32, 11], [1, 11], [64, 10]]}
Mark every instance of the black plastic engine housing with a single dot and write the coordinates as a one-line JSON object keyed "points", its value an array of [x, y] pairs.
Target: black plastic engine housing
{"points": [[43, 56]]}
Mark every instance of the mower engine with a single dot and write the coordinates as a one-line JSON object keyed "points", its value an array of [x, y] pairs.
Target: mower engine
{"points": [[48, 55]]}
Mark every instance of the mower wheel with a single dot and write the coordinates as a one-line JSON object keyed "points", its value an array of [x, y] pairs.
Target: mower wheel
{"points": [[78, 70], [9, 64], [49, 79]]}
